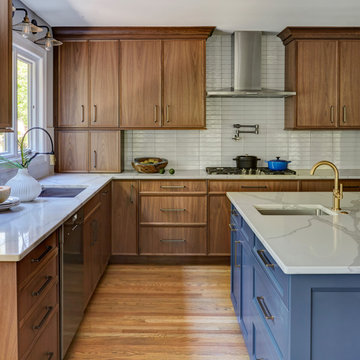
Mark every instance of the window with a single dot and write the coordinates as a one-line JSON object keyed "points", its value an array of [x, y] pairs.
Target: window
{"points": [[29, 89]]}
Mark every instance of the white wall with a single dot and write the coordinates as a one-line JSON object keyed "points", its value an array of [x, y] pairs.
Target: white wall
{"points": [[196, 149]]}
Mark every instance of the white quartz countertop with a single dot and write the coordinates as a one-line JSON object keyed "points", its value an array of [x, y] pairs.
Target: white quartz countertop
{"points": [[302, 244]]}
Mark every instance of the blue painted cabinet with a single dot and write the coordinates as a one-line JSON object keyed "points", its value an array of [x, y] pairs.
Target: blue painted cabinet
{"points": [[291, 317]]}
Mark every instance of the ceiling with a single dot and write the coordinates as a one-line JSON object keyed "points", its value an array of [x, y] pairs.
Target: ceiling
{"points": [[226, 15]]}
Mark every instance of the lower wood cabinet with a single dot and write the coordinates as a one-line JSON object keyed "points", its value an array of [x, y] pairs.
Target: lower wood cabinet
{"points": [[328, 185]]}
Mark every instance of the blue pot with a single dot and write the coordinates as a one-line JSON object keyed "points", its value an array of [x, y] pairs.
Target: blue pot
{"points": [[278, 165]]}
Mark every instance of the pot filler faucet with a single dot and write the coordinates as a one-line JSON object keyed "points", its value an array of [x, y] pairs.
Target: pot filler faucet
{"points": [[337, 192]]}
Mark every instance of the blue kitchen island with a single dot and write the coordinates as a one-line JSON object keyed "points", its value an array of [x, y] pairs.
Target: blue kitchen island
{"points": [[295, 275]]}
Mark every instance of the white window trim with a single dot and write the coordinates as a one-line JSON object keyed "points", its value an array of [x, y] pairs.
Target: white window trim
{"points": [[39, 55]]}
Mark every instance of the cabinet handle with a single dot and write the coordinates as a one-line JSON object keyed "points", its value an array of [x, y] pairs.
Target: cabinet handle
{"points": [[232, 228], [253, 187], [49, 355], [264, 308], [43, 286], [236, 242], [95, 113], [172, 186], [47, 250], [264, 258], [41, 323], [155, 114], [173, 240], [131, 193], [344, 115], [95, 159], [332, 114], [172, 210], [234, 212], [104, 193], [167, 113], [82, 113]]}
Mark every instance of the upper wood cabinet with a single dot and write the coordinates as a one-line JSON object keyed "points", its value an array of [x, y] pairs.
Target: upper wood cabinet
{"points": [[5, 65], [88, 73], [321, 65]]}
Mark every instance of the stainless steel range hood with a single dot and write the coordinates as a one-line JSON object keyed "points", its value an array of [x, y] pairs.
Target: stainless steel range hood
{"points": [[246, 69]]}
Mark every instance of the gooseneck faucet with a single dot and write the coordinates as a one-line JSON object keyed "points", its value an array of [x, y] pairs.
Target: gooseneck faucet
{"points": [[337, 191]]}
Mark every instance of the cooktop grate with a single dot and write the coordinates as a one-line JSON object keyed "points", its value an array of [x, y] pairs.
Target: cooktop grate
{"points": [[236, 171]]}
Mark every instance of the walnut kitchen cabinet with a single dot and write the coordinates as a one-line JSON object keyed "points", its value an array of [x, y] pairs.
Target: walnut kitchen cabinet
{"points": [[105, 195], [321, 66], [124, 210], [88, 84], [328, 185], [5, 65]]}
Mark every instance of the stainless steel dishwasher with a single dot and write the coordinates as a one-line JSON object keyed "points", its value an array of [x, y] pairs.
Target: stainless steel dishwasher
{"points": [[72, 279]]}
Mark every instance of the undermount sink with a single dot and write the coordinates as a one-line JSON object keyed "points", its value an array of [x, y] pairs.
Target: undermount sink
{"points": [[62, 191], [280, 209]]}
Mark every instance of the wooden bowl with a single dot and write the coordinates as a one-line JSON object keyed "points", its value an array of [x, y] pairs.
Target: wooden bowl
{"points": [[4, 193], [149, 168]]}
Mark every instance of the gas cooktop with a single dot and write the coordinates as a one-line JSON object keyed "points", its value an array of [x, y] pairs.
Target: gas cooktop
{"points": [[236, 171]]}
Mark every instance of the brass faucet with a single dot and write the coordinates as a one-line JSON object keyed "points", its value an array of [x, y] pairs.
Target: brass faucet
{"points": [[337, 192]]}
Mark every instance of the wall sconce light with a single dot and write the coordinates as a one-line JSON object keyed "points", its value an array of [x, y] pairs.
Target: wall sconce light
{"points": [[47, 41], [25, 27]]}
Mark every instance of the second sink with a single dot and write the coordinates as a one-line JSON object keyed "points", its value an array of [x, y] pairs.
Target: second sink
{"points": [[279, 209]]}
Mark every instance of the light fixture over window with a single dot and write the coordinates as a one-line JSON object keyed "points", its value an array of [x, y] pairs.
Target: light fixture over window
{"points": [[47, 41], [25, 27]]}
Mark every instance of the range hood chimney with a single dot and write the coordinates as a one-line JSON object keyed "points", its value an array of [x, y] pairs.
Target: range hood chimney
{"points": [[246, 69]]}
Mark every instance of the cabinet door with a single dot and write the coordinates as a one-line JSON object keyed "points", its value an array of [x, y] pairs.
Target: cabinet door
{"points": [[5, 65], [124, 217], [140, 84], [105, 151], [72, 151], [104, 83], [235, 289], [219, 231], [184, 83], [317, 93], [73, 84], [349, 84], [105, 226]]}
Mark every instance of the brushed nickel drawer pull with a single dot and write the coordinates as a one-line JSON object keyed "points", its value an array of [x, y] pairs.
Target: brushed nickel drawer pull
{"points": [[344, 115], [264, 258], [167, 113], [253, 187], [172, 186], [234, 212], [82, 113], [332, 114], [236, 242], [49, 355], [155, 114], [95, 159], [131, 193], [264, 308], [41, 323], [47, 250], [43, 286], [172, 240], [172, 210], [232, 228], [95, 113]]}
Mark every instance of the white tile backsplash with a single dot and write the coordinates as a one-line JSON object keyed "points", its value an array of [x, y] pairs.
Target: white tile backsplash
{"points": [[196, 149]]}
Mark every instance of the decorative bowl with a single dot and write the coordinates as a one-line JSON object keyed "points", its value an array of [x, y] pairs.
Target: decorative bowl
{"points": [[149, 165], [4, 193]]}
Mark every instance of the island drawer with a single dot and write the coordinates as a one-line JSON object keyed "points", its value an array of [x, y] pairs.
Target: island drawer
{"points": [[240, 226], [173, 209], [172, 240], [37, 320], [271, 309], [38, 287], [36, 258], [173, 186], [278, 279]]}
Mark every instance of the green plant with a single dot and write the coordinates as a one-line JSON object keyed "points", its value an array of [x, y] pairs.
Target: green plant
{"points": [[25, 159]]}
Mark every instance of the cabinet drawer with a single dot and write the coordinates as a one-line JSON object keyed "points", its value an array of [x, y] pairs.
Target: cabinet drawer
{"points": [[221, 187], [173, 186], [271, 309], [92, 204], [38, 287], [280, 281], [33, 261], [173, 240], [242, 229], [173, 209], [37, 320], [47, 346]]}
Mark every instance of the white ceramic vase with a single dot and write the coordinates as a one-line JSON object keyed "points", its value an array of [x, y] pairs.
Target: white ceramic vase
{"points": [[24, 186]]}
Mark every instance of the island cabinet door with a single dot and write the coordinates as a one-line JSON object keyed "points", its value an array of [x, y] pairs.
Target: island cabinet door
{"points": [[236, 249]]}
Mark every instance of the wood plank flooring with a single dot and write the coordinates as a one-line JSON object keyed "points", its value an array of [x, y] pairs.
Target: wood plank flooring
{"points": [[151, 312]]}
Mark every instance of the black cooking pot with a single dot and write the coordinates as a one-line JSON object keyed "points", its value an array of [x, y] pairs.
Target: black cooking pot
{"points": [[246, 162]]}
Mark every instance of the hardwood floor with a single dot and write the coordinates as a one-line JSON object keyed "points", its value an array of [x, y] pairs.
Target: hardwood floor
{"points": [[153, 312]]}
